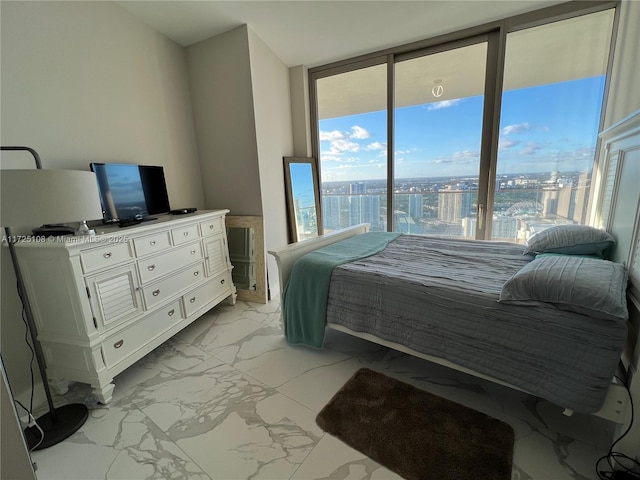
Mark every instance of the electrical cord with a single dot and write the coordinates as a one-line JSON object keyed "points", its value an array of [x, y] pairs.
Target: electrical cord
{"points": [[32, 421], [614, 458]]}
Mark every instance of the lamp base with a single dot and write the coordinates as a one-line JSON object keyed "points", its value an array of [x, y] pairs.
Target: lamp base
{"points": [[69, 419]]}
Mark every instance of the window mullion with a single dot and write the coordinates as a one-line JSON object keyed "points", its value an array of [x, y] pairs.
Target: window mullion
{"points": [[390, 140], [490, 132]]}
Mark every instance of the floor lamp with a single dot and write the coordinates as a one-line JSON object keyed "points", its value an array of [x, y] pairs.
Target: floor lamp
{"points": [[32, 198]]}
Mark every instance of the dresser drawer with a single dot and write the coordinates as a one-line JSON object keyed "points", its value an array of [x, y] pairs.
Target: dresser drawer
{"points": [[165, 263], [212, 227], [184, 234], [119, 346], [194, 300], [105, 257], [162, 290], [152, 243]]}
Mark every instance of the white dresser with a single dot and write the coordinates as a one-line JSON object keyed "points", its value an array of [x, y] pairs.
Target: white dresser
{"points": [[101, 303]]}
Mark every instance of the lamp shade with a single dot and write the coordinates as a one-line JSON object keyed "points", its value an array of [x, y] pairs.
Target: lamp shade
{"points": [[37, 197]]}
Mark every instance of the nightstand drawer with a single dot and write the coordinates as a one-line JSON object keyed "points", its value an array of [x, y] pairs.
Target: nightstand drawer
{"points": [[152, 243], [184, 234], [119, 346], [212, 227], [206, 293], [105, 257], [158, 266], [164, 289]]}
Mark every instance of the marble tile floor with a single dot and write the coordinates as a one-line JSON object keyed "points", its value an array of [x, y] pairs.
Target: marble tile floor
{"points": [[228, 399]]}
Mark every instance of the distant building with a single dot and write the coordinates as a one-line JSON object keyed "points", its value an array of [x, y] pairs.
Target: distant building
{"points": [[359, 188], [565, 204], [415, 205], [454, 205], [331, 211], [580, 198], [549, 202], [366, 209]]}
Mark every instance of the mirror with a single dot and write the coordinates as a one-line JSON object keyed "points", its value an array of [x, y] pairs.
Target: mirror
{"points": [[303, 199], [245, 237]]}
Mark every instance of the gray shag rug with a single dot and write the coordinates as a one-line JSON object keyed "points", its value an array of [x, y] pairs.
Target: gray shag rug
{"points": [[416, 434]]}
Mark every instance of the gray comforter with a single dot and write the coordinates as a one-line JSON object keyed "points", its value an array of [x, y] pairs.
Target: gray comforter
{"points": [[439, 297]]}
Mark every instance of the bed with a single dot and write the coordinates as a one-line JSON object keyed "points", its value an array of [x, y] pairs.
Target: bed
{"points": [[566, 357], [439, 297]]}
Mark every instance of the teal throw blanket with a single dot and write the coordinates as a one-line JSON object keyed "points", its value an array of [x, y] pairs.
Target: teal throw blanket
{"points": [[304, 306]]}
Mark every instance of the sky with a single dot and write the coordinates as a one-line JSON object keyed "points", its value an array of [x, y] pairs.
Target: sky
{"points": [[542, 129]]}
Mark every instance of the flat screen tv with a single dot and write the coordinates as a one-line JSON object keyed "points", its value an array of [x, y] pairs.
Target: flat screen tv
{"points": [[130, 192]]}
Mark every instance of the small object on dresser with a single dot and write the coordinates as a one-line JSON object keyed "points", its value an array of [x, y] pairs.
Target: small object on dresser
{"points": [[182, 211], [53, 230]]}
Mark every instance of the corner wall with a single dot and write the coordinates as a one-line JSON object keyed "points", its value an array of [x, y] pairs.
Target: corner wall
{"points": [[242, 110], [272, 109], [221, 89]]}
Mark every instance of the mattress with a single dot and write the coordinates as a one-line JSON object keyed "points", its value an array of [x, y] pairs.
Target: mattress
{"points": [[439, 297]]}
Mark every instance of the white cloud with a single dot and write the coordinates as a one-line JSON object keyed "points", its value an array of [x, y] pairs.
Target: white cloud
{"points": [[584, 152], [359, 133], [331, 136], [341, 146], [376, 146], [506, 144], [530, 149], [516, 129], [459, 158], [465, 154], [444, 104]]}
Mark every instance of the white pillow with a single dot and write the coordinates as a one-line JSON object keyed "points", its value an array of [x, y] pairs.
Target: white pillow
{"points": [[570, 239], [596, 288]]}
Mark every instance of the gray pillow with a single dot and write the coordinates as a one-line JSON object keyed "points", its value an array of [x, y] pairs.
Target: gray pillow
{"points": [[596, 288], [570, 239]]}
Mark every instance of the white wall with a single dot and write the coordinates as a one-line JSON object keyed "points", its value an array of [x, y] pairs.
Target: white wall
{"points": [[242, 110], [272, 108], [83, 82], [300, 111], [624, 97], [220, 79]]}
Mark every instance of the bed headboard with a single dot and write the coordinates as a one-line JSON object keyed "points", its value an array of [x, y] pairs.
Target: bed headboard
{"points": [[616, 183]]}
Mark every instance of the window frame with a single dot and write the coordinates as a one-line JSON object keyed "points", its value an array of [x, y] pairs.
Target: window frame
{"points": [[496, 37]]}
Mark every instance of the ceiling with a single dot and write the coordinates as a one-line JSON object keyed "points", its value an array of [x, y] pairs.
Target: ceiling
{"points": [[312, 33]]}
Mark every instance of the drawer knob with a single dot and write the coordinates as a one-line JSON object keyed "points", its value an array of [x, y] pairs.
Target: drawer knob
{"points": [[155, 293], [152, 243], [151, 268], [193, 300], [193, 252], [222, 282], [107, 255], [211, 227], [196, 273], [171, 312], [118, 344], [186, 234]]}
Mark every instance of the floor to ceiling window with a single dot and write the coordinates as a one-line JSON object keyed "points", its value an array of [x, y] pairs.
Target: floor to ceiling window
{"points": [[465, 164], [554, 79], [352, 122], [439, 99]]}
